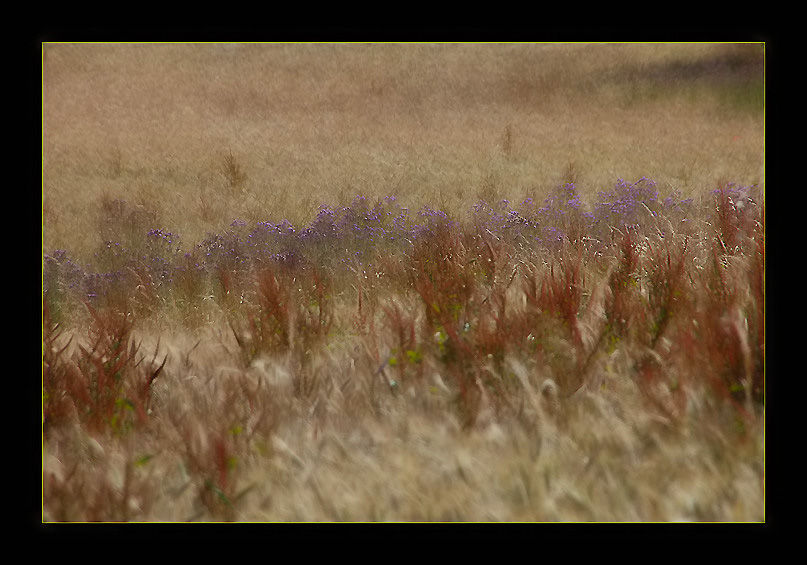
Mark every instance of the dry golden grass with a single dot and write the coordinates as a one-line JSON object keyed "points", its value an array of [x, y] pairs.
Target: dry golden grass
{"points": [[199, 135], [327, 441]]}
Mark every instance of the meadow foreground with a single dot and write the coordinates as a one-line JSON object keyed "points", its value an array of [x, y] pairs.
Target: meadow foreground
{"points": [[529, 364]]}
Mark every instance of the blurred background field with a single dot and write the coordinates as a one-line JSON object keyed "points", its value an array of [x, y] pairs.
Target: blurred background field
{"points": [[202, 134]]}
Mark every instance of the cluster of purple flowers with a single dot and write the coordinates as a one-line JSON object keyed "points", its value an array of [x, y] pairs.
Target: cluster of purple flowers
{"points": [[354, 235], [563, 215], [160, 252], [359, 222], [60, 273]]}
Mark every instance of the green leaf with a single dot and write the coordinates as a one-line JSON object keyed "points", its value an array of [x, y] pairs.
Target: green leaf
{"points": [[142, 460], [414, 356], [124, 403], [218, 492]]}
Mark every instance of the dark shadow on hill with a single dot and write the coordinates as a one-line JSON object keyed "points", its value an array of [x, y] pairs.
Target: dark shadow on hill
{"points": [[733, 76]]}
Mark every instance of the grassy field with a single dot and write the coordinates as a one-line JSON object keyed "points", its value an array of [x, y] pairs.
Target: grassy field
{"points": [[314, 282]]}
